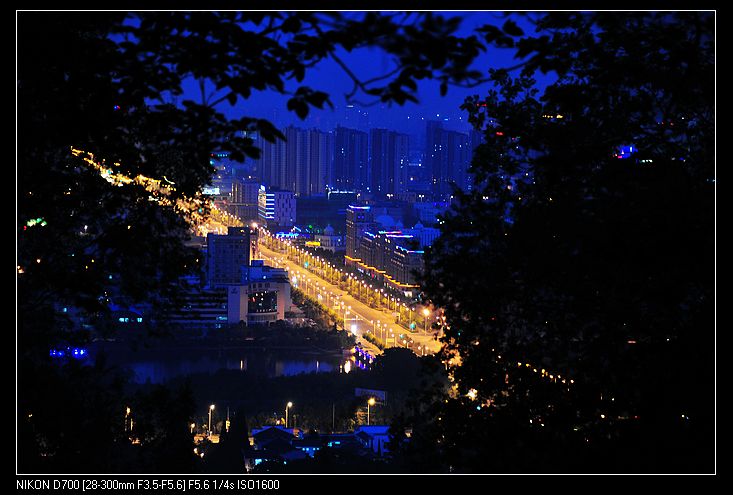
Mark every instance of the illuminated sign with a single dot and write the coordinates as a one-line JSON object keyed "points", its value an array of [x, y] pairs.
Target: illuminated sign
{"points": [[313, 243]]}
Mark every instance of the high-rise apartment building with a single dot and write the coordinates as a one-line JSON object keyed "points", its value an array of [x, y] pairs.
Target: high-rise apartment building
{"points": [[319, 163], [350, 159], [271, 164], [302, 163], [389, 155], [448, 156]]}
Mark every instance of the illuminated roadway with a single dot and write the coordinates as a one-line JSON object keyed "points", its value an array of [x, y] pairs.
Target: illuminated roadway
{"points": [[364, 317], [358, 317]]}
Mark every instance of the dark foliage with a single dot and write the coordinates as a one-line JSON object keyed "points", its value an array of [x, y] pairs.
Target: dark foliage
{"points": [[567, 262]]}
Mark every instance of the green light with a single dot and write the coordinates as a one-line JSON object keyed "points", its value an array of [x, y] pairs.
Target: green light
{"points": [[35, 221]]}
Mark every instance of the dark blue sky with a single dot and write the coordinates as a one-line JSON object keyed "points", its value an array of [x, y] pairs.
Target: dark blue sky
{"points": [[367, 63]]}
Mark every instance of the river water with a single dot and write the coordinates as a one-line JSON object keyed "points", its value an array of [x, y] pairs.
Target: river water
{"points": [[162, 364]]}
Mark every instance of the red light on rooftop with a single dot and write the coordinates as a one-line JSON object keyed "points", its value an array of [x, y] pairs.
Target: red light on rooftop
{"points": [[499, 133]]}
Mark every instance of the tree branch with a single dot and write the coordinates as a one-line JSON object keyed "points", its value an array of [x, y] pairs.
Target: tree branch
{"points": [[220, 99], [202, 84]]}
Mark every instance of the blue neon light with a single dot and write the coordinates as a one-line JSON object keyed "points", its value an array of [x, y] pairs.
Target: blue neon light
{"points": [[626, 151], [75, 352]]}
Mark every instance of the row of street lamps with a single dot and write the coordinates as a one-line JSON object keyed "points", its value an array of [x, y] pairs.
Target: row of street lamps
{"points": [[288, 406], [311, 284], [392, 302], [353, 327]]}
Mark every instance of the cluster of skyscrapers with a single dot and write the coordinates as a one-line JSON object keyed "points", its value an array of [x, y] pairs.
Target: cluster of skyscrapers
{"points": [[379, 163], [347, 189]]}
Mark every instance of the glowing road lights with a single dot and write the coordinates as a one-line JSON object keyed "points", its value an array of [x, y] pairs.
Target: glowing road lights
{"points": [[211, 409], [287, 408]]}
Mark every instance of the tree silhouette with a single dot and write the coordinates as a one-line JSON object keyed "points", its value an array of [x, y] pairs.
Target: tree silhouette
{"points": [[576, 280]]}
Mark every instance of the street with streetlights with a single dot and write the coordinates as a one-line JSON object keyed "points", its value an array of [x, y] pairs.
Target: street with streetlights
{"points": [[350, 306]]}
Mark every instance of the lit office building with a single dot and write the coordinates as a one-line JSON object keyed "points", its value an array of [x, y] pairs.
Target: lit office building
{"points": [[390, 257], [262, 297], [358, 220], [276, 208], [406, 265]]}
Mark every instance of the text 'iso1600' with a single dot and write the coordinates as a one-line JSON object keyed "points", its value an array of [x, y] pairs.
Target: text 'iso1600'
{"points": [[232, 484]]}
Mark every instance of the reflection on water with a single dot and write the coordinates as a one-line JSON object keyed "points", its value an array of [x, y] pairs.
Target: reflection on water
{"points": [[161, 365]]}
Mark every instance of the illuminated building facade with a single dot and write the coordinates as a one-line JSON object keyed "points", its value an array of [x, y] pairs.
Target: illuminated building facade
{"points": [[276, 208], [262, 297], [358, 220], [390, 257]]}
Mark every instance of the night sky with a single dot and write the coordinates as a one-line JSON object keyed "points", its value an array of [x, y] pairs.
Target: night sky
{"points": [[370, 62]]}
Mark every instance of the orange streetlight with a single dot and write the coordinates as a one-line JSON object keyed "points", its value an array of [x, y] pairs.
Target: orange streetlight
{"points": [[370, 402], [287, 406], [211, 409]]}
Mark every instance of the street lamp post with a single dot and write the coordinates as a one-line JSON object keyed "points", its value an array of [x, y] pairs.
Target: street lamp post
{"points": [[211, 409], [370, 402], [288, 406], [426, 312]]}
